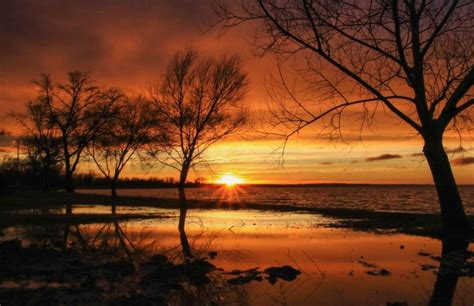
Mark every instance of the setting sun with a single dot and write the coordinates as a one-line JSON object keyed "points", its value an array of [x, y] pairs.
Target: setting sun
{"points": [[230, 180], [293, 151]]}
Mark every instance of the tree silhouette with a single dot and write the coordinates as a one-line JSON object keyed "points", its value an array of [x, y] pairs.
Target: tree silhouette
{"points": [[198, 103], [41, 141], [124, 134], [412, 58], [78, 109]]}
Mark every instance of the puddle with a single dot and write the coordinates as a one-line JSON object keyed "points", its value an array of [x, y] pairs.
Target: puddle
{"points": [[314, 264]]}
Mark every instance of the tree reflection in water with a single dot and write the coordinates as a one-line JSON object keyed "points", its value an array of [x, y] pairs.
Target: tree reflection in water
{"points": [[107, 263], [102, 264], [201, 283], [187, 254], [453, 264]]}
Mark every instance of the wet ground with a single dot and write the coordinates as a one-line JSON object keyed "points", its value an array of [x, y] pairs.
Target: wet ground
{"points": [[225, 257]]}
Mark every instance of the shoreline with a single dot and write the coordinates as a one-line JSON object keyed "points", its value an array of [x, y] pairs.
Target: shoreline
{"points": [[424, 224], [211, 185]]}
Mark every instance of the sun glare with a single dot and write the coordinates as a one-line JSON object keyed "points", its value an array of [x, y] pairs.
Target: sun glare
{"points": [[229, 180]]}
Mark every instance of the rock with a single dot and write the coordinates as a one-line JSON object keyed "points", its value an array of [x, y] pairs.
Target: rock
{"points": [[286, 273], [237, 271], [380, 272], [367, 264], [424, 254], [197, 271], [428, 267], [244, 276], [245, 279]]}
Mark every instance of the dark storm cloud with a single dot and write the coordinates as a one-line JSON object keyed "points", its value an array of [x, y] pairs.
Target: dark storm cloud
{"points": [[383, 157], [463, 161], [85, 30], [121, 42]]}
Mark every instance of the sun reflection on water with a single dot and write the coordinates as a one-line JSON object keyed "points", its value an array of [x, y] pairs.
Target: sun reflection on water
{"points": [[229, 194]]}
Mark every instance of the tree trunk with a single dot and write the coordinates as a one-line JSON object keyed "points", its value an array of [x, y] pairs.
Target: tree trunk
{"points": [[181, 188], [113, 189], [452, 211], [69, 183]]}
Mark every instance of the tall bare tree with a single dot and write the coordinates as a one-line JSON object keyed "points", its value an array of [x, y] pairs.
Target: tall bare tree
{"points": [[198, 102], [125, 133], [78, 109], [413, 58], [40, 140]]}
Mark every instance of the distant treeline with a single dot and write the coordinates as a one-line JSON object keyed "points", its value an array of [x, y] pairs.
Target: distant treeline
{"points": [[23, 174], [93, 181], [18, 175]]}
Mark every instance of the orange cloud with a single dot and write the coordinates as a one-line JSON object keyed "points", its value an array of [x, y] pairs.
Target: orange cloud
{"points": [[383, 157], [463, 161]]}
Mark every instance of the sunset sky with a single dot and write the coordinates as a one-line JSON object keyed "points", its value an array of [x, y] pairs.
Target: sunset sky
{"points": [[126, 44]]}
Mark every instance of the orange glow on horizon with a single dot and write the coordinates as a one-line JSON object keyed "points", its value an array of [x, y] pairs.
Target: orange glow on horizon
{"points": [[310, 158], [229, 180]]}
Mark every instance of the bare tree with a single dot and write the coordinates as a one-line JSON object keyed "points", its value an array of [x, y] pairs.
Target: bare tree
{"points": [[413, 58], [78, 109], [199, 102], [3, 136], [124, 135], [40, 140]]}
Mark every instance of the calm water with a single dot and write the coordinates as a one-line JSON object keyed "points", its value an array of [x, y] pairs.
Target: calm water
{"points": [[337, 267], [381, 198]]}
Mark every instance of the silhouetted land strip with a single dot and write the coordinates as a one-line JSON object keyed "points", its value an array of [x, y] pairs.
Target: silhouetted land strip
{"points": [[73, 219], [357, 219], [159, 184]]}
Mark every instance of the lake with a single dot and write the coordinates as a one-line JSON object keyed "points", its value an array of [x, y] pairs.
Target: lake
{"points": [[403, 198]]}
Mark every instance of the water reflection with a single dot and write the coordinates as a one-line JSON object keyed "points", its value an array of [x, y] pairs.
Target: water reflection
{"points": [[202, 286], [220, 262], [453, 264], [187, 254], [76, 262]]}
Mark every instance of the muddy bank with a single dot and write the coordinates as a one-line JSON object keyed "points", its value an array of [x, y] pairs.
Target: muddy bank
{"points": [[69, 274]]}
